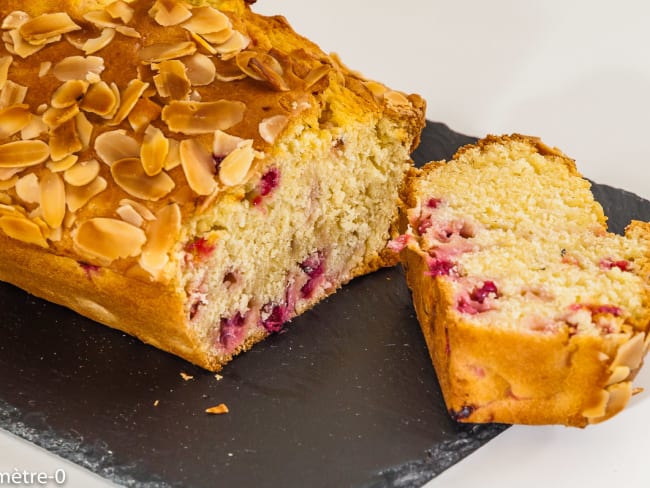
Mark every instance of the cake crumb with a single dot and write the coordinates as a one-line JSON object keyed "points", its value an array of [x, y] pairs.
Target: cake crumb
{"points": [[637, 390], [186, 376], [218, 409], [218, 376], [155, 404]]}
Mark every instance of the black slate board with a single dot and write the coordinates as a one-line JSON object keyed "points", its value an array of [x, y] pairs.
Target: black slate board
{"points": [[346, 396]]}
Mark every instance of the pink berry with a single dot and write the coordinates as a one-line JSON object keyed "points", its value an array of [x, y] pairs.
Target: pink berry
{"points": [[480, 294], [440, 267]]}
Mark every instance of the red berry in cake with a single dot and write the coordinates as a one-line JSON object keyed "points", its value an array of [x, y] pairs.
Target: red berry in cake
{"points": [[608, 263], [277, 317], [434, 202], [231, 329], [440, 267], [314, 267], [479, 294], [200, 248], [90, 269]]}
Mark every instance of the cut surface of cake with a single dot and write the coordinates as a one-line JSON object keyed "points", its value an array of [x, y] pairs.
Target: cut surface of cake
{"points": [[532, 312], [191, 173]]}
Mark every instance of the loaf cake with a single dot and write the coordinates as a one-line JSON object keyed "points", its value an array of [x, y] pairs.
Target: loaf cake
{"points": [[191, 173], [532, 312]]}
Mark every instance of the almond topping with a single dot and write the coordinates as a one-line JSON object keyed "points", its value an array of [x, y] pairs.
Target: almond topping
{"points": [[52, 199], [219, 37], [62, 164], [54, 117], [144, 112], [78, 196], [271, 127], [100, 99], [12, 94], [120, 10], [21, 154], [396, 99], [64, 140], [225, 143], [109, 239], [128, 214], [233, 46], [130, 97], [69, 93], [98, 43], [198, 166], [7, 184], [82, 173], [169, 12], [377, 89], [15, 19], [7, 173], [619, 373], [316, 74], [28, 189], [115, 145], [129, 174], [44, 68], [153, 152], [84, 130], [164, 51], [235, 166], [630, 353], [194, 118], [161, 236], [15, 44], [171, 80], [173, 155], [205, 20], [23, 230], [5, 62], [78, 68], [141, 209], [203, 43], [46, 26], [14, 119], [200, 69], [34, 128]]}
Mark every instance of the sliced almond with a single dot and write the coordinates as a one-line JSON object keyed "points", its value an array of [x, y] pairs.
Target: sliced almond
{"points": [[224, 143], [198, 166], [396, 99], [619, 373], [173, 158], [62, 164], [200, 69], [218, 37], [161, 236], [599, 408], [144, 112], [234, 168], [316, 74], [153, 152], [205, 20], [129, 174], [69, 93], [84, 129], [377, 89], [52, 199], [128, 31], [194, 118], [128, 214], [271, 127], [15, 19], [54, 117], [129, 99], [82, 173], [12, 94], [46, 26], [28, 189], [44, 68], [78, 68], [120, 10], [34, 128], [17, 45], [203, 43], [64, 140], [108, 239], [171, 80], [233, 46], [98, 43], [100, 99], [244, 60], [169, 12], [22, 229], [156, 53], [115, 145], [630, 354], [78, 196], [21, 154], [9, 173], [140, 208], [14, 119], [5, 63]]}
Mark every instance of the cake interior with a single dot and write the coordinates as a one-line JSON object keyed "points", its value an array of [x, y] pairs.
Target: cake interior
{"points": [[317, 215]]}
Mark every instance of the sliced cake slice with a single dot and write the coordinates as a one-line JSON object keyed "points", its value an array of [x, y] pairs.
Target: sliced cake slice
{"points": [[533, 313]]}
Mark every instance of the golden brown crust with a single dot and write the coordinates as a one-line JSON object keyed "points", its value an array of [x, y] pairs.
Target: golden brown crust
{"points": [[496, 374]]}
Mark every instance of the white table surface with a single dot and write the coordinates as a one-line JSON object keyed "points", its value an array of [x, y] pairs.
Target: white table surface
{"points": [[577, 74]]}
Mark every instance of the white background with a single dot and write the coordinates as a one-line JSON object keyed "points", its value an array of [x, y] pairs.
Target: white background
{"points": [[576, 74]]}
